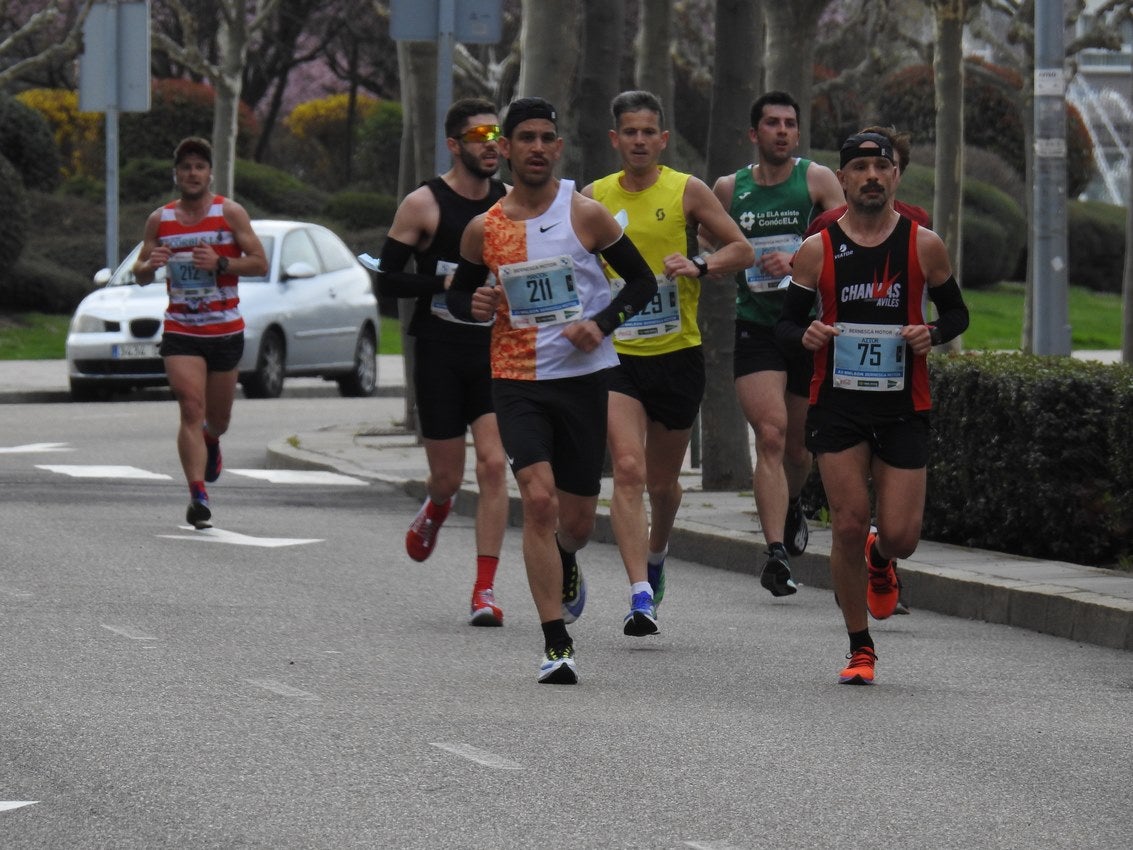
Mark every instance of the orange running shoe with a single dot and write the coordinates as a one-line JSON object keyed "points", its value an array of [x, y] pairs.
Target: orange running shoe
{"points": [[423, 531], [860, 669], [485, 611], [882, 591]]}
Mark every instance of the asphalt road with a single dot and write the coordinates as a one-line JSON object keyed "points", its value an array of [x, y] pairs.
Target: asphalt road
{"points": [[168, 688]]}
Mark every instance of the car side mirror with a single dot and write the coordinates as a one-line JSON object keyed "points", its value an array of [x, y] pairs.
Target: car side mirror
{"points": [[102, 277], [298, 270]]}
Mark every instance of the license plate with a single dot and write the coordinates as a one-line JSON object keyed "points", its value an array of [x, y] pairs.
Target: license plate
{"points": [[132, 350]]}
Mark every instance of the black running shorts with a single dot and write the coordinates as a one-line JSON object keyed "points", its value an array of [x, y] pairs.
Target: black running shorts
{"points": [[669, 386], [561, 421], [454, 386], [758, 350], [899, 440], [220, 353]]}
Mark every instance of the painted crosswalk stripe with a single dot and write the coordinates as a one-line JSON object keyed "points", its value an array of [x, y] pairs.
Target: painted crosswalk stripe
{"points": [[235, 538], [484, 757], [7, 805], [127, 632], [283, 690], [298, 476], [35, 448], [103, 472]]}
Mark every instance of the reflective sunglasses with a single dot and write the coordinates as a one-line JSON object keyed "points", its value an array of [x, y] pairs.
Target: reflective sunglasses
{"points": [[481, 133]]}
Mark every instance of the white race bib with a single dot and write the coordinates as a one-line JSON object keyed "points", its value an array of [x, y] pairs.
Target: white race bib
{"points": [[187, 282], [541, 292], [869, 358], [759, 281], [438, 305], [660, 317]]}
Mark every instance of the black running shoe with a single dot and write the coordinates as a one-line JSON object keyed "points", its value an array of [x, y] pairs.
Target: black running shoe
{"points": [[776, 575], [796, 534], [213, 461], [198, 514]]}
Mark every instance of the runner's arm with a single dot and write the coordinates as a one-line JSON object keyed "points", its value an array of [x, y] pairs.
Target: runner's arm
{"points": [[640, 284]]}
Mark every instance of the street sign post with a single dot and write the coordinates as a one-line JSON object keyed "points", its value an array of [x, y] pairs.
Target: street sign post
{"points": [[445, 22]]}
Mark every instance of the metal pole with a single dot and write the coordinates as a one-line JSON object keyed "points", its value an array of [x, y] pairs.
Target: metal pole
{"points": [[1051, 313], [446, 24], [112, 85]]}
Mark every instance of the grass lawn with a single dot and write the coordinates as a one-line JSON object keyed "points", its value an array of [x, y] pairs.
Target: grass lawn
{"points": [[1095, 320], [39, 336]]}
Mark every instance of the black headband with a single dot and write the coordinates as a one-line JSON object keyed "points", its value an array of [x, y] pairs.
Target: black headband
{"points": [[525, 109], [852, 147]]}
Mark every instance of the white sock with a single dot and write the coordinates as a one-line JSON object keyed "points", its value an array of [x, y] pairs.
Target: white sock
{"points": [[640, 587], [655, 558]]}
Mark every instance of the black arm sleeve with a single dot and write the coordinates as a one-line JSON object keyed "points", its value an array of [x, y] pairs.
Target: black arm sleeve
{"points": [[395, 282], [950, 305], [795, 316], [467, 279], [641, 284]]}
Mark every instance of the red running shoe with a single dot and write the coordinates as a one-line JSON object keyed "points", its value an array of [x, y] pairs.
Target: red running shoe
{"points": [[485, 611], [882, 592], [860, 669], [422, 534]]}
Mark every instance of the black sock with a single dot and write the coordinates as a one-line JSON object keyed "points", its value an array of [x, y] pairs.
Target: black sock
{"points": [[860, 639], [567, 557], [875, 559], [555, 634]]}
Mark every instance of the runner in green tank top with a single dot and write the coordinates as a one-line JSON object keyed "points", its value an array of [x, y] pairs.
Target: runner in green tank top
{"points": [[773, 202]]}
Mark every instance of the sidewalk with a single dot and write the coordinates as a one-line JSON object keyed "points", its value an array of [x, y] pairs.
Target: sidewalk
{"points": [[717, 529], [722, 530]]}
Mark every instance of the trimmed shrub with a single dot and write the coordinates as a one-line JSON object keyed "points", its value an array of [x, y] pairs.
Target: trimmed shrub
{"points": [[276, 192], [1096, 237], [146, 178], [323, 128], [36, 284], [994, 233], [26, 142], [360, 210], [179, 108], [14, 222], [379, 148]]}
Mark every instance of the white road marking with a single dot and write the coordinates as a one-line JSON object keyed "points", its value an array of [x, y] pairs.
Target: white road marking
{"points": [[103, 472], [479, 756], [283, 690], [14, 593], [235, 538], [5, 805], [298, 476], [32, 448], [127, 632], [709, 845]]}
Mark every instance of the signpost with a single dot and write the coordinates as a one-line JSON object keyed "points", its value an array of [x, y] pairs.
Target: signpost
{"points": [[114, 77], [445, 22]]}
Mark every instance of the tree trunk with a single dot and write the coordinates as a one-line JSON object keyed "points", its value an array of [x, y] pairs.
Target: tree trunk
{"points": [[232, 42], [789, 64], [1127, 281], [417, 67], [1027, 341], [653, 70], [550, 52], [948, 65], [726, 458], [597, 84]]}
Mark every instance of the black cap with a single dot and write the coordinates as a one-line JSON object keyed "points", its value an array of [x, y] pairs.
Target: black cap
{"points": [[193, 144], [852, 148], [525, 109]]}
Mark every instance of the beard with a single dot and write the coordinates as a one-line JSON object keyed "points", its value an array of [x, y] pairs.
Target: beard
{"points": [[475, 167]]}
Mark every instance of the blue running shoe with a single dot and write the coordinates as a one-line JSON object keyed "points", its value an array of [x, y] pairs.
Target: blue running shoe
{"points": [[574, 593], [657, 581], [558, 667], [642, 617]]}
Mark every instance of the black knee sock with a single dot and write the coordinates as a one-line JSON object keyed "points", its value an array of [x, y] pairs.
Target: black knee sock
{"points": [[555, 634], [875, 559]]}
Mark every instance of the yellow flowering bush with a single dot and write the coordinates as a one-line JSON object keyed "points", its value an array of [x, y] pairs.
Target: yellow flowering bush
{"points": [[319, 132], [78, 135]]}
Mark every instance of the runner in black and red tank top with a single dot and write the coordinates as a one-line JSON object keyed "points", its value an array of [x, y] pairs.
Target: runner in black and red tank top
{"points": [[868, 417], [205, 242]]}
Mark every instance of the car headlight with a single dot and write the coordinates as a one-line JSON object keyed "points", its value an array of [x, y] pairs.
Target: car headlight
{"points": [[84, 323]]}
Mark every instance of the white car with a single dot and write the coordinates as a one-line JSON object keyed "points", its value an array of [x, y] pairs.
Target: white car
{"points": [[313, 314]]}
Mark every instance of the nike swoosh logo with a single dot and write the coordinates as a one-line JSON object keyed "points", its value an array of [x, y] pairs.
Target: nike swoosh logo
{"points": [[548, 227]]}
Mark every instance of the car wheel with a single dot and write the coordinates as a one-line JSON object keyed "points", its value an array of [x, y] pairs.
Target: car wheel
{"points": [[88, 390], [267, 379], [363, 378]]}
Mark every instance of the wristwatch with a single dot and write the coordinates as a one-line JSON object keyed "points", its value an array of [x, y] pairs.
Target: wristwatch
{"points": [[701, 266], [934, 335], [221, 265]]}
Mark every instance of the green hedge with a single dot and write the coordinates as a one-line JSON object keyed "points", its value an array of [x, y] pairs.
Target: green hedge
{"points": [[1096, 237], [14, 222], [1028, 455], [26, 142], [360, 210]]}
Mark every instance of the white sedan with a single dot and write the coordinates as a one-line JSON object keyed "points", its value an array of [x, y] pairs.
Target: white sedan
{"points": [[313, 314]]}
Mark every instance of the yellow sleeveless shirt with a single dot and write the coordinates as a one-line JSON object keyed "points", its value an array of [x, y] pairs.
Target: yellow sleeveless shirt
{"points": [[654, 219]]}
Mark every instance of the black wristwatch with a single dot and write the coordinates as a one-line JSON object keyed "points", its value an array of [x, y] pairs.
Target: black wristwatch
{"points": [[221, 265], [701, 266], [934, 335]]}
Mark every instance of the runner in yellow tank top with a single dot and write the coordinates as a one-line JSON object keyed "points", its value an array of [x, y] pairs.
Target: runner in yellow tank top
{"points": [[656, 389]]}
